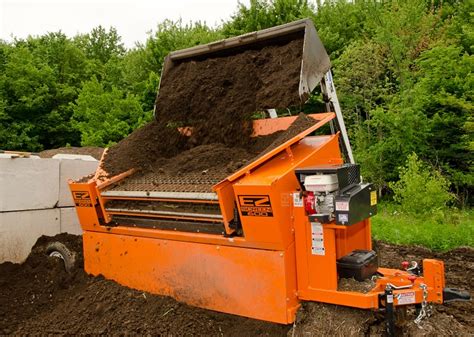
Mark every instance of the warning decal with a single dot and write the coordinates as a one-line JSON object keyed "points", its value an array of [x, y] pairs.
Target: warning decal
{"points": [[405, 298], [255, 205], [373, 198], [82, 198], [297, 200], [317, 239]]}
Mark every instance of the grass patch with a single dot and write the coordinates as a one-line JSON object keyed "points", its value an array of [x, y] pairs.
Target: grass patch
{"points": [[440, 231]]}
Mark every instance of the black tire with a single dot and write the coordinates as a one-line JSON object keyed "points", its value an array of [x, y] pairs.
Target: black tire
{"points": [[59, 250]]}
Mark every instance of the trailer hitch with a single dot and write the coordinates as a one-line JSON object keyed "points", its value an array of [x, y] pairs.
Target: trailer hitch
{"points": [[453, 295], [389, 312]]}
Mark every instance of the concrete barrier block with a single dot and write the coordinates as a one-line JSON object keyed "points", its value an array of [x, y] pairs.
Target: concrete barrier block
{"points": [[69, 221], [28, 183], [20, 230], [73, 169], [74, 156]]}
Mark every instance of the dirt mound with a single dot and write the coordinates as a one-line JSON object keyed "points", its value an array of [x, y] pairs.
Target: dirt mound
{"points": [[319, 319], [206, 157], [38, 296], [93, 151], [104, 307], [215, 98], [139, 150], [201, 167], [29, 289], [143, 147]]}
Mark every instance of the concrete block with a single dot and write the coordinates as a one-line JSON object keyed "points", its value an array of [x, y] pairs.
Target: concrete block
{"points": [[20, 230], [69, 221], [28, 183], [73, 169], [74, 156]]}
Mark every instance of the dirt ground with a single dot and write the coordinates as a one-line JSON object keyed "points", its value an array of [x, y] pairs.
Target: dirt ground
{"points": [[93, 151], [39, 297]]}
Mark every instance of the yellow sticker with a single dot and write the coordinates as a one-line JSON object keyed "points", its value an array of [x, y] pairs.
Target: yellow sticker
{"points": [[373, 198]]}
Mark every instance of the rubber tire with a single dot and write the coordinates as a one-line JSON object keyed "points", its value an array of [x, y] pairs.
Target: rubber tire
{"points": [[57, 248]]}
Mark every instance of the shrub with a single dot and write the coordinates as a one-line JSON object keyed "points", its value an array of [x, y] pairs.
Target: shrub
{"points": [[421, 188]]}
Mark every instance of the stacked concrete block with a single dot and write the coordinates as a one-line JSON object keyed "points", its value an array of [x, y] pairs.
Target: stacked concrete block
{"points": [[69, 223], [19, 231], [28, 183], [35, 200]]}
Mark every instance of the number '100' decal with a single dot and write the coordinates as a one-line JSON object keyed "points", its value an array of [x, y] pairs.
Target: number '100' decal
{"points": [[255, 205]]}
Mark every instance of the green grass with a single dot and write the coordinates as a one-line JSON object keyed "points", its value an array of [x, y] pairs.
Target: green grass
{"points": [[438, 231]]}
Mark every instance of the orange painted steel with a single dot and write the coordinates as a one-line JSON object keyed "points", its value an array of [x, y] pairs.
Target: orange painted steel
{"points": [[266, 272], [264, 127], [242, 281], [317, 275]]}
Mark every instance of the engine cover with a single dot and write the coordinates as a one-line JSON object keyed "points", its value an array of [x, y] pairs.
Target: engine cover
{"points": [[355, 203]]}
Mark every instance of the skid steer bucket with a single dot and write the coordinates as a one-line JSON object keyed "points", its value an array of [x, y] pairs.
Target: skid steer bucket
{"points": [[314, 59]]}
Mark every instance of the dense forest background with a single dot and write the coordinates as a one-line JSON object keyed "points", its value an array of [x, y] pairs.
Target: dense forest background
{"points": [[403, 70]]}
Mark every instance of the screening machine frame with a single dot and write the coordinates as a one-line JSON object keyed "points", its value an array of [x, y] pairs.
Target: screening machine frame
{"points": [[265, 270]]}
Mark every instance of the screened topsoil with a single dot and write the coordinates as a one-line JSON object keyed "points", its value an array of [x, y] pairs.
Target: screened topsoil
{"points": [[211, 101], [39, 297]]}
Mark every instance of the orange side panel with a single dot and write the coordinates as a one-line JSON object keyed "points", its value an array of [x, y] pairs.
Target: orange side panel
{"points": [[433, 272], [249, 282], [353, 237], [267, 126]]}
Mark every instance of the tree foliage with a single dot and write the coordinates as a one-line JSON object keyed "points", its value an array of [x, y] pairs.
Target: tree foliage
{"points": [[403, 70], [421, 189], [105, 116]]}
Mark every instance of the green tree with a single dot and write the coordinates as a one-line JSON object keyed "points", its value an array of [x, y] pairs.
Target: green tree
{"points": [[261, 14], [421, 189], [101, 45], [174, 35], [105, 117], [444, 90]]}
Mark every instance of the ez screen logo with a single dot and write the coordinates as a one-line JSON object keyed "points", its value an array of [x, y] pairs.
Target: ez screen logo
{"points": [[82, 199], [255, 205]]}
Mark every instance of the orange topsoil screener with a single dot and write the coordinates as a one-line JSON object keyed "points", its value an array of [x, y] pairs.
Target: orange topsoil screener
{"points": [[254, 217]]}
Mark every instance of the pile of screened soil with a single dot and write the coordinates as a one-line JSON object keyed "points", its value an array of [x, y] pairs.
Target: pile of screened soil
{"points": [[93, 151], [215, 98], [39, 297]]}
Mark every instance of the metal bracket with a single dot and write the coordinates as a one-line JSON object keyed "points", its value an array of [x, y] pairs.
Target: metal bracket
{"points": [[332, 104]]}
